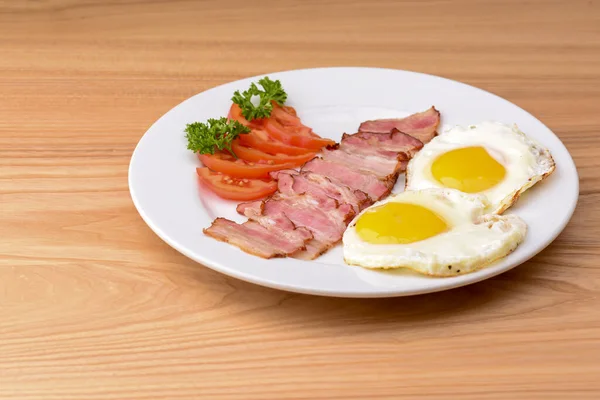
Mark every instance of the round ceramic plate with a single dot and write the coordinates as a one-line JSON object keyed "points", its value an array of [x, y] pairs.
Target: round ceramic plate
{"points": [[165, 190]]}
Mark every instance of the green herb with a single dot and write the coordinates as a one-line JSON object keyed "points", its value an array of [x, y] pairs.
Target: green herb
{"points": [[261, 107], [216, 134]]}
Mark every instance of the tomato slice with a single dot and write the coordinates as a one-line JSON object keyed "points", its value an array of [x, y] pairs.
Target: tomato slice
{"points": [[261, 140], [285, 117], [251, 154], [290, 110], [235, 113], [236, 189], [299, 136], [239, 168], [283, 126]]}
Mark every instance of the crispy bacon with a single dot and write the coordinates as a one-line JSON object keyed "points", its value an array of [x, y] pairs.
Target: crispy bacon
{"points": [[326, 219], [253, 207], [254, 238], [403, 165], [421, 125], [314, 248], [382, 167], [393, 144], [303, 199], [292, 182], [281, 225], [341, 174]]}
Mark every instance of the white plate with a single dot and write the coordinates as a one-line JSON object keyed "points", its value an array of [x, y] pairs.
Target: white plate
{"points": [[164, 187]]}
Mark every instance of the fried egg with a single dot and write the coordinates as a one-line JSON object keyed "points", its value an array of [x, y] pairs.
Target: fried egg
{"points": [[492, 159], [438, 232]]}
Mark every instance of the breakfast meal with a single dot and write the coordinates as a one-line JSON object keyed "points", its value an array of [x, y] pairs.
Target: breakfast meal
{"points": [[303, 194]]}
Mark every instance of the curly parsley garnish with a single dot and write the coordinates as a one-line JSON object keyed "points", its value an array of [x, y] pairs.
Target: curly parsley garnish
{"points": [[256, 103], [215, 134]]}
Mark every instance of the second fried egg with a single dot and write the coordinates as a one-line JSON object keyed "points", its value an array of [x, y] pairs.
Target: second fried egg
{"points": [[438, 232]]}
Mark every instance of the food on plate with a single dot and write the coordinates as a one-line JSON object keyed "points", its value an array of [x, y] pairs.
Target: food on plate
{"points": [[325, 194], [270, 237], [240, 168], [241, 150], [493, 159], [377, 154], [235, 113], [255, 155], [445, 223], [382, 144], [282, 127], [214, 135], [372, 185], [255, 103], [265, 109], [438, 232], [296, 135], [422, 126], [260, 140], [290, 182], [234, 188]]}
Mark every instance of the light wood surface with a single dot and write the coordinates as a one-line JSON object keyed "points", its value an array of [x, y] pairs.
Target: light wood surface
{"points": [[93, 305]]}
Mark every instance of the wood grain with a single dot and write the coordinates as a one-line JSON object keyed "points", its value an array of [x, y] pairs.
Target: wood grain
{"points": [[94, 306]]}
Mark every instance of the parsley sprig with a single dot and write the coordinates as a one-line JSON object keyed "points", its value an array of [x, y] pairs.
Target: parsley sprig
{"points": [[215, 134], [260, 107]]}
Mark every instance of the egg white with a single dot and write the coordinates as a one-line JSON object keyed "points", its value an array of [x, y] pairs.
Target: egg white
{"points": [[473, 240], [526, 162]]}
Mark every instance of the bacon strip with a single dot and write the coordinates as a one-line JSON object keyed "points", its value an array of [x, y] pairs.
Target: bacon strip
{"points": [[382, 167], [281, 225], [314, 249], [388, 145], [292, 182], [421, 126], [341, 174], [254, 238], [252, 207], [325, 218]]}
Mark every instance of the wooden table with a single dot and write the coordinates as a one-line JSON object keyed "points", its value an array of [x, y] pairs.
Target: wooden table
{"points": [[93, 305]]}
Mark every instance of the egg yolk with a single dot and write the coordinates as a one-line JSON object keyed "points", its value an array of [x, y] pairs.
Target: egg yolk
{"points": [[469, 169], [399, 223]]}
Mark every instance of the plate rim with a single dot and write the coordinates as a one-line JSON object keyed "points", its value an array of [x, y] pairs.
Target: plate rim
{"points": [[382, 291]]}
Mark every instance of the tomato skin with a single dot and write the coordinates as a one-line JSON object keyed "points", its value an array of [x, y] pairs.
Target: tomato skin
{"points": [[285, 117], [283, 126], [290, 110], [230, 188], [228, 165], [235, 113], [299, 136], [255, 155], [260, 140]]}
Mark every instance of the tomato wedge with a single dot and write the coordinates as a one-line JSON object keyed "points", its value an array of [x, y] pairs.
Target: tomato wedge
{"points": [[236, 189], [235, 113], [251, 154], [261, 140], [299, 136], [287, 117], [227, 164], [290, 110], [284, 116]]}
